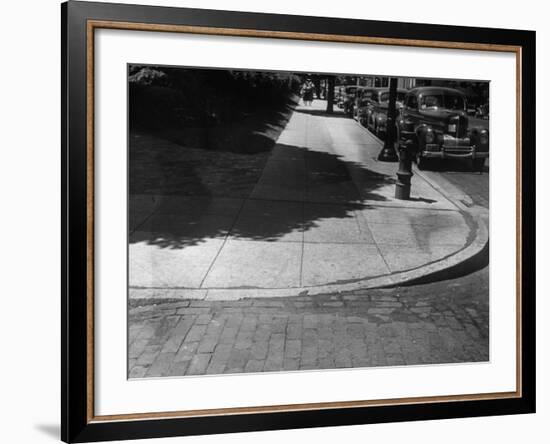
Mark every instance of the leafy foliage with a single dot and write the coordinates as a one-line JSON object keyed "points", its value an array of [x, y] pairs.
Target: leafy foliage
{"points": [[168, 97]]}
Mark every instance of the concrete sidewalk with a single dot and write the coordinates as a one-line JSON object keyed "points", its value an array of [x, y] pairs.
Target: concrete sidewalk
{"points": [[321, 218]]}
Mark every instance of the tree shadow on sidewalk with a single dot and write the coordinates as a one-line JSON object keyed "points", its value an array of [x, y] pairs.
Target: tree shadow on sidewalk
{"points": [[320, 112], [322, 190], [204, 159]]}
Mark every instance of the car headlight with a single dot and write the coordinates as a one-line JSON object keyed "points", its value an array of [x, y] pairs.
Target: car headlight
{"points": [[429, 137], [483, 137]]}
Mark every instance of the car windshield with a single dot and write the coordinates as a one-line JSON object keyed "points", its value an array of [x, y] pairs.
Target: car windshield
{"points": [[446, 101], [385, 96]]}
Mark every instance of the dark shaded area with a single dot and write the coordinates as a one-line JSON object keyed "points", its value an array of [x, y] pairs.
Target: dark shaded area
{"points": [[268, 224], [214, 211], [331, 82], [421, 199], [222, 125], [192, 161], [317, 112], [162, 97], [253, 134]]}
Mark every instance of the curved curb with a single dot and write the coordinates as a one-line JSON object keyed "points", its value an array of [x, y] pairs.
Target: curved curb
{"points": [[409, 277], [432, 271], [445, 268]]}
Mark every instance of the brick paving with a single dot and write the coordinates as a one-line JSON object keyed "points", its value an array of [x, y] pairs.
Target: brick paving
{"points": [[442, 322]]}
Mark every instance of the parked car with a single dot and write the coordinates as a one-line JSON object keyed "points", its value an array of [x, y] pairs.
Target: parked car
{"points": [[363, 98], [339, 96], [353, 96], [376, 114], [482, 111], [347, 98], [433, 124]]}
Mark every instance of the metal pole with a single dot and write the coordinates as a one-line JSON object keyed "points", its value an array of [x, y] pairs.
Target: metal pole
{"points": [[388, 153]]}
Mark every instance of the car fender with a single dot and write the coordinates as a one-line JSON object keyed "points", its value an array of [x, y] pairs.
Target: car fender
{"points": [[421, 131], [474, 134], [405, 124], [381, 117]]}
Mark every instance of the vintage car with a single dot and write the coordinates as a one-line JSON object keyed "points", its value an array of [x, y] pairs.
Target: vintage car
{"points": [[376, 113], [339, 96], [363, 98], [347, 98], [433, 124], [482, 111], [336, 94]]}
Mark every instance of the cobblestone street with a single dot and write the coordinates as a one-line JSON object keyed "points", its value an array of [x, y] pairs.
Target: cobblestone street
{"points": [[442, 322]]}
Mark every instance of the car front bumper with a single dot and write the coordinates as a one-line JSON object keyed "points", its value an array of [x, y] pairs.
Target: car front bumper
{"points": [[453, 151], [454, 147]]}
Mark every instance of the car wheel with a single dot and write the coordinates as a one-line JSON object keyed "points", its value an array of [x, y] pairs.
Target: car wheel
{"points": [[478, 164], [421, 162], [435, 164]]}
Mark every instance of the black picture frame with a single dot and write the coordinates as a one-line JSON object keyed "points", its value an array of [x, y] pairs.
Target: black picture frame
{"points": [[77, 423]]}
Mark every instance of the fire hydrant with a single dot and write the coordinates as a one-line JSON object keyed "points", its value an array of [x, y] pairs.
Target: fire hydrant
{"points": [[404, 174]]}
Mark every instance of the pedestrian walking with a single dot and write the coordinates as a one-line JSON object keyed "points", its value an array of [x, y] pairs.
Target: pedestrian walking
{"points": [[307, 92]]}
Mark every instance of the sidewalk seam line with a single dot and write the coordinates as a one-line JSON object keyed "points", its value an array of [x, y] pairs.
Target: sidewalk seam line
{"points": [[304, 205], [390, 272], [223, 244]]}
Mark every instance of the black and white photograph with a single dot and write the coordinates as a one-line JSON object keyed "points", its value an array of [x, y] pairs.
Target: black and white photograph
{"points": [[291, 221]]}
